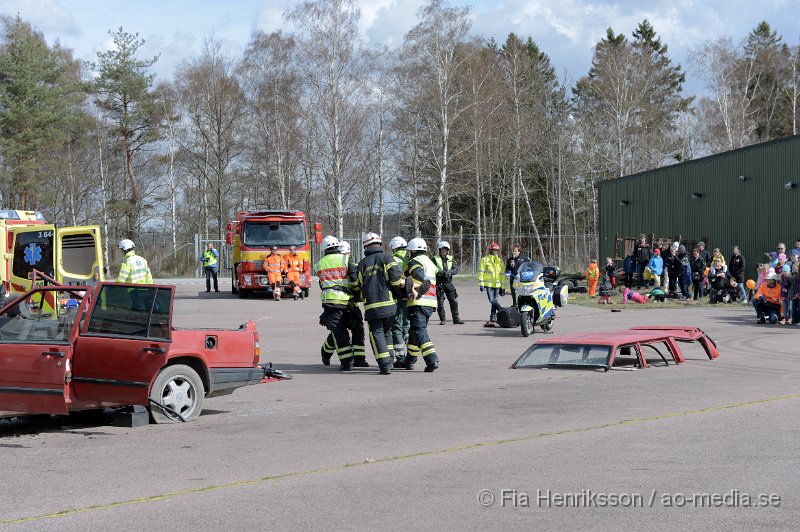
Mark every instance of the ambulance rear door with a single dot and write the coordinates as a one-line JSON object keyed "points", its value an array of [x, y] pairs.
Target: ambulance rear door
{"points": [[79, 255], [32, 248]]}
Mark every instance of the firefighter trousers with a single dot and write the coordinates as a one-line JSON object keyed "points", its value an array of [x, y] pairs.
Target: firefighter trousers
{"points": [[355, 324], [380, 337], [419, 342], [400, 327], [446, 290], [334, 318]]}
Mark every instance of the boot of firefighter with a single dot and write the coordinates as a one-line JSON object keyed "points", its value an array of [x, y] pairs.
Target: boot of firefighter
{"points": [[399, 357], [455, 313], [385, 365], [360, 361], [326, 356], [431, 362], [346, 364]]}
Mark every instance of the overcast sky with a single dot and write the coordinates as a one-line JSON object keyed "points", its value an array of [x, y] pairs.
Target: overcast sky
{"points": [[565, 29]]}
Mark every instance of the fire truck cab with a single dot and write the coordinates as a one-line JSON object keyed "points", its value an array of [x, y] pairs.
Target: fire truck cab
{"points": [[28, 244], [252, 234]]}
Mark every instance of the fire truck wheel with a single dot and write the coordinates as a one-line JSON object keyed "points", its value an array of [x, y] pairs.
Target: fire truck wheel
{"points": [[244, 294]]}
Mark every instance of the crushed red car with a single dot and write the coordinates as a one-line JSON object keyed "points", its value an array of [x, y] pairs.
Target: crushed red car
{"points": [[637, 347], [70, 348]]}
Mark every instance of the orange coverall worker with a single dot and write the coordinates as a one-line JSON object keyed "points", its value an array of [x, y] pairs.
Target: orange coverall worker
{"points": [[274, 267], [592, 276], [293, 266]]}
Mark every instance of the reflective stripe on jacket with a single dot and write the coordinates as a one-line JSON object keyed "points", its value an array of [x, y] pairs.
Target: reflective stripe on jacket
{"points": [[334, 280], [491, 272], [134, 270], [294, 263], [428, 268]]}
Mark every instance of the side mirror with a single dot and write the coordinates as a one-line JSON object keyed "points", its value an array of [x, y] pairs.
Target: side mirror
{"points": [[229, 238], [317, 233], [229, 227]]}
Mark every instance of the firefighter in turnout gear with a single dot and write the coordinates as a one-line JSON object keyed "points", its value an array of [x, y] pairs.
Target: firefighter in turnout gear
{"points": [[294, 266], [338, 279], [421, 291], [355, 319], [274, 266], [444, 283], [400, 327], [379, 280]]}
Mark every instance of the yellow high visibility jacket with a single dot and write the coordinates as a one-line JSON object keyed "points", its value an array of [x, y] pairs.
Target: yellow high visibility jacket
{"points": [[429, 270], [134, 269], [491, 271]]}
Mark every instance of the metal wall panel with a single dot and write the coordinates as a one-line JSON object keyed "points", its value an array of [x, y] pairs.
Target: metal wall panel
{"points": [[756, 214]]}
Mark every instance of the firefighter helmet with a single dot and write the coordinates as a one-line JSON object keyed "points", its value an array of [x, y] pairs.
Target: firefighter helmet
{"points": [[126, 244], [371, 238], [344, 247], [330, 242], [443, 244], [417, 244], [398, 242]]}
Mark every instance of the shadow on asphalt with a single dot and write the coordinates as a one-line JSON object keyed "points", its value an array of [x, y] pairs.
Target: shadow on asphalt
{"points": [[319, 369], [37, 424]]}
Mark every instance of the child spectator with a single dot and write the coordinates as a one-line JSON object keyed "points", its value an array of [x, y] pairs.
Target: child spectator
{"points": [[717, 255], [656, 266], [719, 281], [592, 276], [611, 271], [698, 273], [794, 255], [685, 279], [606, 289], [781, 265], [632, 295], [762, 271], [786, 285], [767, 299], [657, 294], [737, 268], [629, 268]]}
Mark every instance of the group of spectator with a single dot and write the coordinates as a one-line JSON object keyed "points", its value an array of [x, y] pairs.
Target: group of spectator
{"points": [[676, 272]]}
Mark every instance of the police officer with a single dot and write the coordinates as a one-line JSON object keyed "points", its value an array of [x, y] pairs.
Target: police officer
{"points": [[211, 266], [338, 278], [400, 328], [444, 283], [134, 270], [355, 319], [379, 280], [421, 289]]}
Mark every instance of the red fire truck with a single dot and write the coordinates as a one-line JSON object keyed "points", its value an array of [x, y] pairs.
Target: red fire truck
{"points": [[253, 233]]}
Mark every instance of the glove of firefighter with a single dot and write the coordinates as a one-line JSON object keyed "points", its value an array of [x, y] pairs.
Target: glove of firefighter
{"points": [[502, 292], [411, 294], [481, 288], [423, 289]]}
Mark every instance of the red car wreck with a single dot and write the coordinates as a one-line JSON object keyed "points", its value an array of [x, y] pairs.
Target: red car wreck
{"points": [[69, 348], [637, 347]]}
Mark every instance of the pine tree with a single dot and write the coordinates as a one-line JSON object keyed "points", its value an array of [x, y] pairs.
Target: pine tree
{"points": [[766, 59]]}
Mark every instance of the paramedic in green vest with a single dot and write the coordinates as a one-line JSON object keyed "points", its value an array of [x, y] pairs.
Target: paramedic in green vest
{"points": [[338, 282], [211, 266], [421, 292], [491, 274], [134, 270], [400, 328], [444, 283]]}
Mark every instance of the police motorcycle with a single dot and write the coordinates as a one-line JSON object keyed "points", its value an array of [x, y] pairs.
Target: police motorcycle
{"points": [[538, 295]]}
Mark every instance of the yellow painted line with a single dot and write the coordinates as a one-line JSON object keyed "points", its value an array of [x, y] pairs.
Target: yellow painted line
{"points": [[434, 452]]}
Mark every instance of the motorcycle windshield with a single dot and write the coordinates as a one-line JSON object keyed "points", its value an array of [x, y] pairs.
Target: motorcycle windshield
{"points": [[529, 271]]}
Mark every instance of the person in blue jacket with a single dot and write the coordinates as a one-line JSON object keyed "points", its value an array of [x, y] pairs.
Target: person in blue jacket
{"points": [[629, 268], [656, 266]]}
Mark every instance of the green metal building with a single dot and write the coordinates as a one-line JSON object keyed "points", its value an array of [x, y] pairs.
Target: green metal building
{"points": [[748, 197]]}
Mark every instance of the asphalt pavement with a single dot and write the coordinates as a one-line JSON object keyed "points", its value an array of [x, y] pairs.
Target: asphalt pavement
{"points": [[475, 445]]}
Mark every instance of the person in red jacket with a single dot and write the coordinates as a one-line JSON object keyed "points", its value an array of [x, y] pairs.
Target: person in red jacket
{"points": [[767, 300], [592, 276]]}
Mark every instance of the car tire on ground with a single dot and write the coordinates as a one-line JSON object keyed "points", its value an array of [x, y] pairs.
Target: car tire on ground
{"points": [[178, 387]]}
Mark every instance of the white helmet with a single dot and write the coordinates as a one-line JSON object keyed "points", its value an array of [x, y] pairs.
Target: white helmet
{"points": [[371, 238], [417, 244], [443, 244], [398, 242], [330, 242], [771, 277], [126, 244], [344, 247]]}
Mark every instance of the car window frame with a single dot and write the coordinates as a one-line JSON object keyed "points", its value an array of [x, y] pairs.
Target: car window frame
{"points": [[38, 290], [96, 300]]}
